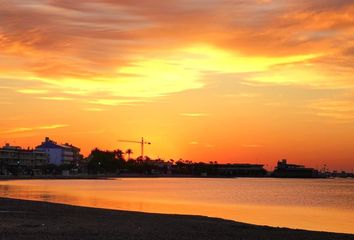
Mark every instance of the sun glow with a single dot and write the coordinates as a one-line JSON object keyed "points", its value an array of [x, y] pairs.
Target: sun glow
{"points": [[174, 71]]}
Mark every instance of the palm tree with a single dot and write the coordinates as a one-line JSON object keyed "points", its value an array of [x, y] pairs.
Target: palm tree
{"points": [[119, 154], [129, 151]]}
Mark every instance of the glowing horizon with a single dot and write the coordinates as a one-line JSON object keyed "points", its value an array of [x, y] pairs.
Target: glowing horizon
{"points": [[246, 81]]}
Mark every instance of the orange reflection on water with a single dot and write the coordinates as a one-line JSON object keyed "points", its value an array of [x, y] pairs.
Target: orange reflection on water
{"points": [[304, 204]]}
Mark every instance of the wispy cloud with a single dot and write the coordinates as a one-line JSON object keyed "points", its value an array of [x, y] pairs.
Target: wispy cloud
{"points": [[241, 95], [56, 98], [32, 91], [194, 114], [91, 109], [130, 49], [37, 128], [54, 126], [304, 74], [18, 130], [340, 111], [115, 102]]}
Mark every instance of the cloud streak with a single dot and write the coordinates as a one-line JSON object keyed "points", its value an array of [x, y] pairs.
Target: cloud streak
{"points": [[339, 111], [196, 114], [31, 129], [92, 46]]}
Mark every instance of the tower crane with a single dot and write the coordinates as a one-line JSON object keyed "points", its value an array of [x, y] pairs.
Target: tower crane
{"points": [[142, 143]]}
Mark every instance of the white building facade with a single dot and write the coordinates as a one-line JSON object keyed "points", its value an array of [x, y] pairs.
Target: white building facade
{"points": [[58, 153]]}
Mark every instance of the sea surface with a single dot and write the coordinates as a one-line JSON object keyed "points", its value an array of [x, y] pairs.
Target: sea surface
{"points": [[313, 204]]}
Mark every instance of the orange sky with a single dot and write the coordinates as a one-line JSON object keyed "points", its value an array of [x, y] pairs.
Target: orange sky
{"points": [[227, 81]]}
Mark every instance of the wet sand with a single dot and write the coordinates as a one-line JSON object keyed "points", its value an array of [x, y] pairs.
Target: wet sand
{"points": [[39, 220]]}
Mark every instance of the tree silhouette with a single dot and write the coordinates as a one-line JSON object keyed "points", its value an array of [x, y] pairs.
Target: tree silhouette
{"points": [[119, 154], [105, 161], [129, 151]]}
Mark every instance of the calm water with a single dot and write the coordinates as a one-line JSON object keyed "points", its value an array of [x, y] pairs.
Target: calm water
{"points": [[320, 204]]}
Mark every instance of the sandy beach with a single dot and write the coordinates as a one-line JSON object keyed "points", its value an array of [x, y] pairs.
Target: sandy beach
{"points": [[39, 220]]}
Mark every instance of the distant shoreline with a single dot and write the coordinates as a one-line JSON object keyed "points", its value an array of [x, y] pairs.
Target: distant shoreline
{"points": [[23, 219], [109, 176], [106, 176]]}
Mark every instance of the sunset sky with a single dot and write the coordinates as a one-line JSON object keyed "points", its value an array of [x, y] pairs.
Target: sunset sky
{"points": [[206, 80]]}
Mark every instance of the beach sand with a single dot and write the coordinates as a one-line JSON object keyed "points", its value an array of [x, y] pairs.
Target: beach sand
{"points": [[28, 220]]}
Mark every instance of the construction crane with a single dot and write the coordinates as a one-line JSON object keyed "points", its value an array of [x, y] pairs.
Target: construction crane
{"points": [[142, 143]]}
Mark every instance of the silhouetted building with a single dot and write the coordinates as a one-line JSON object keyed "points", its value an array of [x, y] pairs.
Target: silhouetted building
{"points": [[15, 160], [77, 156], [60, 153], [283, 169], [241, 170]]}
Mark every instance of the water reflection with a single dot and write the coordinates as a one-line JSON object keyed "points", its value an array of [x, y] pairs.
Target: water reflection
{"points": [[325, 205]]}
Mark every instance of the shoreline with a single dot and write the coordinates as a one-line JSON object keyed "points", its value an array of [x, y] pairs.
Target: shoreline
{"points": [[110, 176], [24, 219]]}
